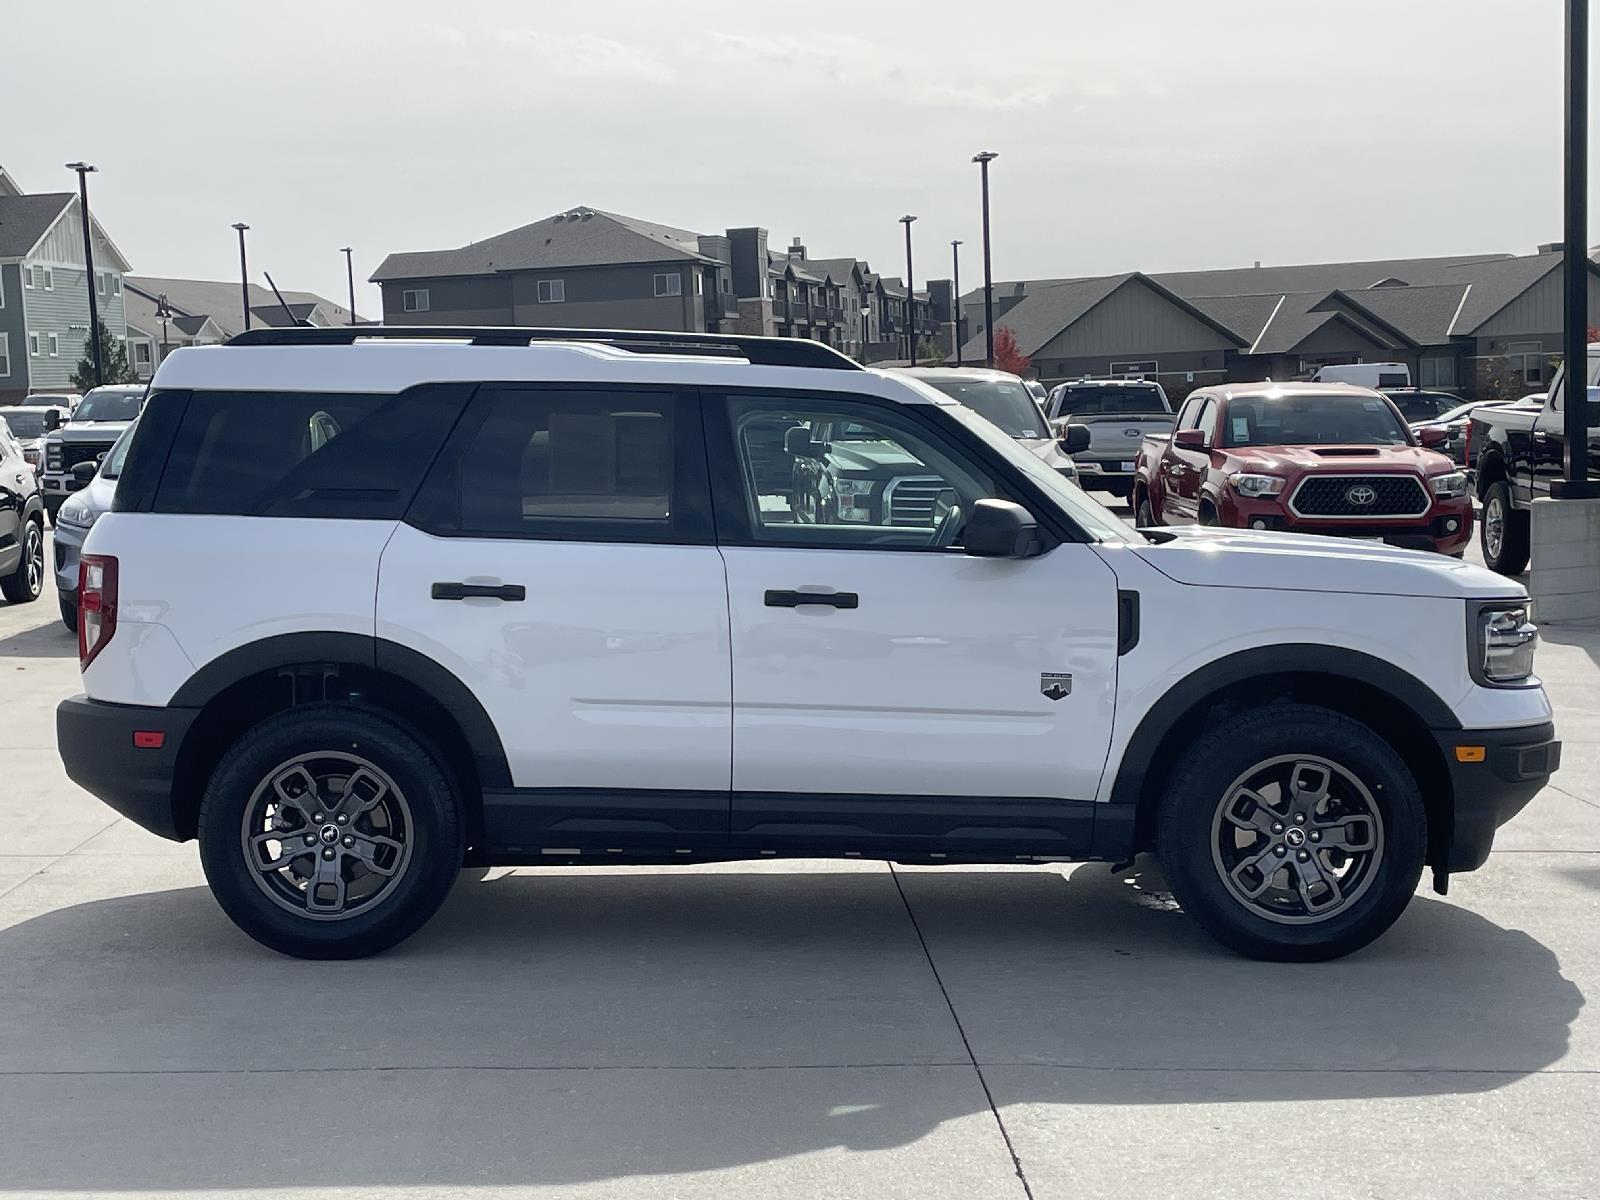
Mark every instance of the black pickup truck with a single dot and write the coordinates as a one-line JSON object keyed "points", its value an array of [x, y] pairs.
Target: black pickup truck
{"points": [[1517, 452]]}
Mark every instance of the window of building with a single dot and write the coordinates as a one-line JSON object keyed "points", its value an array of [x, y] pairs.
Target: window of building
{"points": [[1527, 360], [5, 354], [552, 291], [414, 300], [53, 344], [698, 283], [141, 354], [33, 345], [27, 277], [99, 283], [669, 284], [49, 278], [1437, 371], [116, 285]]}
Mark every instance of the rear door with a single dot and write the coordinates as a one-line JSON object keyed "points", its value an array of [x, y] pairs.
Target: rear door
{"points": [[559, 560], [888, 689]]}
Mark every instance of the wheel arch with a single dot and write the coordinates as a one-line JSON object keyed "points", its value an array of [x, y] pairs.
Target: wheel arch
{"points": [[240, 688], [1491, 469], [1387, 699]]}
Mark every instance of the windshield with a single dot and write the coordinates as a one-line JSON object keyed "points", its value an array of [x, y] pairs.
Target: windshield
{"points": [[48, 400], [109, 406], [1009, 405], [1313, 421], [26, 424], [1090, 516], [112, 467], [1089, 399]]}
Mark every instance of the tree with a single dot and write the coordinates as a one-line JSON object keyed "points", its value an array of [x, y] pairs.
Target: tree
{"points": [[113, 362], [1006, 355]]}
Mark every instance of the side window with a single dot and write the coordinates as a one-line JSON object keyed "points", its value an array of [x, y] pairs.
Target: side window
{"points": [[305, 454], [572, 464], [817, 472], [1206, 421]]}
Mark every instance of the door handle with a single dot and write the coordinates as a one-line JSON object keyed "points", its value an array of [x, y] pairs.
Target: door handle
{"points": [[470, 591], [783, 599]]}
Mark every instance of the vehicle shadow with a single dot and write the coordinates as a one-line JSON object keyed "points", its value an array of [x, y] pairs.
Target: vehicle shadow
{"points": [[1585, 635], [48, 639], [559, 1028]]}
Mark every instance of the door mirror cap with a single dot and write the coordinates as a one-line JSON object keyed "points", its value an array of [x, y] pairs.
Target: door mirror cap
{"points": [[797, 441], [84, 472], [1433, 436], [52, 420], [1000, 529], [1073, 438], [1189, 439]]}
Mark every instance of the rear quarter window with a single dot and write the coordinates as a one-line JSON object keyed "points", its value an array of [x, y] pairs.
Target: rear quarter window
{"points": [[300, 454]]}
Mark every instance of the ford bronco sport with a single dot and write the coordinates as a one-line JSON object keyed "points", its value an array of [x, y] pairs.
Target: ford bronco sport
{"points": [[539, 596]]}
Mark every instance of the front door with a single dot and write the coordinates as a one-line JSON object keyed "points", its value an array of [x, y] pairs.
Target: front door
{"points": [[559, 561], [890, 690]]}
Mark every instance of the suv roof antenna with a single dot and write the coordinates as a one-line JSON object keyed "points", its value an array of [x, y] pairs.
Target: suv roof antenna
{"points": [[282, 303]]}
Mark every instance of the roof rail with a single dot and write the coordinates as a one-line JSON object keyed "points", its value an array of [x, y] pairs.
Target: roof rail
{"points": [[761, 351]]}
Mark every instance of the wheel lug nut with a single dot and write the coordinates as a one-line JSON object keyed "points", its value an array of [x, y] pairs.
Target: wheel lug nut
{"points": [[1277, 827], [1280, 850], [317, 817], [1316, 835], [348, 842], [328, 853], [1299, 818], [1304, 856], [344, 818], [310, 841]]}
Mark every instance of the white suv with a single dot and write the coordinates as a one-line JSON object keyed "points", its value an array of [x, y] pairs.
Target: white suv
{"points": [[372, 604]]}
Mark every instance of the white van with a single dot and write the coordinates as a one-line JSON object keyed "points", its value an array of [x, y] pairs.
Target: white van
{"points": [[1372, 375]]}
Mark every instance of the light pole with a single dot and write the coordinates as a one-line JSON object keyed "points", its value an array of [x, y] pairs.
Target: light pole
{"points": [[866, 331], [84, 170], [983, 158], [350, 274], [955, 294], [911, 287], [1576, 483], [164, 311], [244, 276]]}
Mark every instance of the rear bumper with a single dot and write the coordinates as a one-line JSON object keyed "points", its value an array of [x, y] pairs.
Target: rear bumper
{"points": [[96, 742], [1516, 764]]}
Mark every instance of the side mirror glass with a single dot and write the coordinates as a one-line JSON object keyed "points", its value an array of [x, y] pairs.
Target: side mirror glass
{"points": [[52, 420], [1074, 438], [1189, 439], [1432, 435], [1000, 529]]}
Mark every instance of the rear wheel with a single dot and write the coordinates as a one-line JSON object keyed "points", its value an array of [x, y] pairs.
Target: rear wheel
{"points": [[24, 585], [1294, 833], [1503, 532], [330, 831]]}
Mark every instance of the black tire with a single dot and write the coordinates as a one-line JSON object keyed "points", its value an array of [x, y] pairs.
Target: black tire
{"points": [[1144, 518], [1510, 557], [51, 508], [26, 583], [433, 835], [1192, 814], [69, 613], [1208, 514]]}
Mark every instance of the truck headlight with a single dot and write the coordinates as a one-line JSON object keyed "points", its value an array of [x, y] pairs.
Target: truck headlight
{"points": [[75, 512], [1256, 486], [1504, 640], [853, 498], [1450, 485]]}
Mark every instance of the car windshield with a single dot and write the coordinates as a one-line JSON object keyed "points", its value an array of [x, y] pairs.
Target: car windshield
{"points": [[1313, 421], [1089, 399], [1009, 405], [1090, 516], [45, 400], [109, 406], [112, 467], [1423, 406], [26, 423]]}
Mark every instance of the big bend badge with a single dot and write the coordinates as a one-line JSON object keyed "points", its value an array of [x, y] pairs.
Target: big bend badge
{"points": [[1053, 685]]}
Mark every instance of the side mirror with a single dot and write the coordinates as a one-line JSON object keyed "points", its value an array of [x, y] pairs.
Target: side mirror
{"points": [[1432, 435], [1189, 439], [52, 420], [84, 472], [1074, 438], [1000, 529], [797, 441]]}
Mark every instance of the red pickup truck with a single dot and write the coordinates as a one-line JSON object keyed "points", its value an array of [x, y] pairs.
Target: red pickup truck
{"points": [[1303, 458]]}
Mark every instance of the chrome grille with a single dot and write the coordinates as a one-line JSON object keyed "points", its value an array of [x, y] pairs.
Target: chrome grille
{"points": [[78, 452], [909, 499], [1359, 496]]}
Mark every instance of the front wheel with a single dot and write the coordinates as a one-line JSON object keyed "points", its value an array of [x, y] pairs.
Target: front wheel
{"points": [[26, 583], [1504, 532], [1292, 833], [69, 614], [1144, 518], [330, 831]]}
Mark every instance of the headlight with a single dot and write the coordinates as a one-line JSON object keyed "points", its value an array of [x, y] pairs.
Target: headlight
{"points": [[1256, 486], [76, 512], [1505, 639], [1450, 485], [853, 498], [1069, 472]]}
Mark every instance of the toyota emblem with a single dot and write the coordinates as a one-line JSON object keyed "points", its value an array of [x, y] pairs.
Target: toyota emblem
{"points": [[1362, 495]]}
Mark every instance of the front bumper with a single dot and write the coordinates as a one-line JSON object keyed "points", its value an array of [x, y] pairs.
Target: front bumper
{"points": [[1445, 528], [1491, 787], [68, 543], [96, 742]]}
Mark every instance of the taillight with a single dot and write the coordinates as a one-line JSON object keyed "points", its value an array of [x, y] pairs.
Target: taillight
{"points": [[97, 605]]}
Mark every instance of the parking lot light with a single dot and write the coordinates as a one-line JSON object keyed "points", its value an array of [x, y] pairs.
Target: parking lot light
{"points": [[244, 275], [911, 287], [84, 170], [983, 158]]}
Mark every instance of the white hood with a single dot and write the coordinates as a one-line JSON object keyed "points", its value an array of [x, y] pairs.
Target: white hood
{"points": [[1247, 558]]}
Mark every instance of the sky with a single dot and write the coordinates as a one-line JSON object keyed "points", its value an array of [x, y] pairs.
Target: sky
{"points": [[1153, 135]]}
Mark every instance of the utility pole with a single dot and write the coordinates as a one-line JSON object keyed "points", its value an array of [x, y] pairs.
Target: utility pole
{"points": [[983, 158], [911, 287], [955, 295], [350, 275], [244, 276], [84, 170], [1575, 482]]}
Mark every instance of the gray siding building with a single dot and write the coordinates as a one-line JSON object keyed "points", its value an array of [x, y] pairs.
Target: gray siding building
{"points": [[44, 289]]}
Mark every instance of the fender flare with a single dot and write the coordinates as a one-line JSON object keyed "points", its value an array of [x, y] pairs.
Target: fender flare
{"points": [[378, 654]]}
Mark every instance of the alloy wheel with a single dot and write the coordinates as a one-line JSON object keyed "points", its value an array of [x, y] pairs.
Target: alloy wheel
{"points": [[1494, 527], [1297, 839], [327, 835], [33, 552]]}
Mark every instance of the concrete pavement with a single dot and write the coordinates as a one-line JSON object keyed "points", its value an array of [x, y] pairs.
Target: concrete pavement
{"points": [[799, 1029]]}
